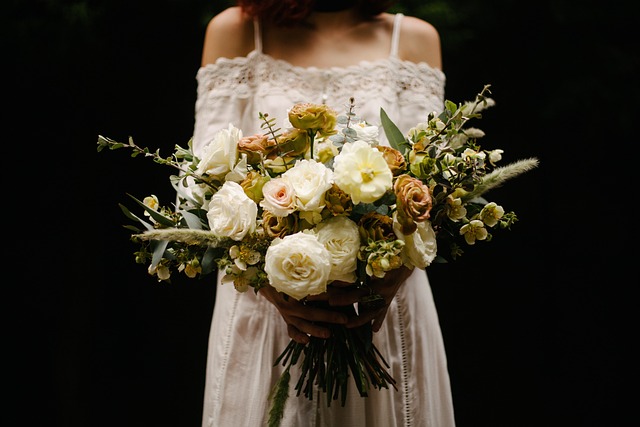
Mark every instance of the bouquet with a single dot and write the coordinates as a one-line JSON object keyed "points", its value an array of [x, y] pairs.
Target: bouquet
{"points": [[320, 200]]}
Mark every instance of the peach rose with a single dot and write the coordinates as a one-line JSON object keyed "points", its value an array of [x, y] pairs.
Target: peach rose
{"points": [[414, 202], [394, 159]]}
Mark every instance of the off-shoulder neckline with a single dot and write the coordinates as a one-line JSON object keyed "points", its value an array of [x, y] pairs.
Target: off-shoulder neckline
{"points": [[366, 64]]}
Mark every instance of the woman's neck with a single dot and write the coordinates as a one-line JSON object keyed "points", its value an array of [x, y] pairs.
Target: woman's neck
{"points": [[333, 5], [345, 20]]}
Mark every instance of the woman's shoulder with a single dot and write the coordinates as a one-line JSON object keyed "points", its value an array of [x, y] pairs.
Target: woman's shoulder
{"points": [[229, 34], [419, 42]]}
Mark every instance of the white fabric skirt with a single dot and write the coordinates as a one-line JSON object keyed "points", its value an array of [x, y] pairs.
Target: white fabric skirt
{"points": [[248, 334]]}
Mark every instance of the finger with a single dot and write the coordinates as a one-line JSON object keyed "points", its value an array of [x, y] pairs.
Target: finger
{"points": [[296, 335], [306, 328], [312, 313], [366, 316], [377, 321], [340, 284], [346, 296], [320, 297]]}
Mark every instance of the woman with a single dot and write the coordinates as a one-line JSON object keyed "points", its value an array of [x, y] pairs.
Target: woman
{"points": [[265, 56]]}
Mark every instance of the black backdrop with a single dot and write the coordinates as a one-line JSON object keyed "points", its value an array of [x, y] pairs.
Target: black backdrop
{"points": [[537, 325]]}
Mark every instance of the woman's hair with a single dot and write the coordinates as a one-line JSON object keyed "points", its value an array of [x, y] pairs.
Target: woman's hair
{"points": [[283, 12]]}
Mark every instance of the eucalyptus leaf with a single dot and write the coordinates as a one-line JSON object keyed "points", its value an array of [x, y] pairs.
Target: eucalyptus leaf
{"points": [[364, 208], [337, 138], [350, 133], [383, 209]]}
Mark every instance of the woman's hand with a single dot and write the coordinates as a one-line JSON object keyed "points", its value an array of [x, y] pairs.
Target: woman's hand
{"points": [[303, 320], [308, 319], [339, 294]]}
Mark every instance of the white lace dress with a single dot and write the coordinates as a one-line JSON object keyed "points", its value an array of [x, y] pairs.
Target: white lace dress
{"points": [[247, 332]]}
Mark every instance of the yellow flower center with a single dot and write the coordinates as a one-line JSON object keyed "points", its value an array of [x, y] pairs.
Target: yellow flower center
{"points": [[367, 174]]}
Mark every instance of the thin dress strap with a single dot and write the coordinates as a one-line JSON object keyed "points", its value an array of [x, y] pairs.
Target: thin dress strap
{"points": [[395, 36], [257, 35]]}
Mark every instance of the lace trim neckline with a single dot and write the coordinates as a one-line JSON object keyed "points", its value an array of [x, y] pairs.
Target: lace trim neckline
{"points": [[241, 60]]}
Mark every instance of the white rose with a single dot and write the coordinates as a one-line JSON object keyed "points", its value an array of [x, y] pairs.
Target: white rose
{"points": [[367, 133], [279, 197], [420, 247], [310, 180], [362, 172], [341, 238], [298, 265], [231, 212], [221, 154]]}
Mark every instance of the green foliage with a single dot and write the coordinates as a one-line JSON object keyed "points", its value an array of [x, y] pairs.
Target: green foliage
{"points": [[395, 137]]}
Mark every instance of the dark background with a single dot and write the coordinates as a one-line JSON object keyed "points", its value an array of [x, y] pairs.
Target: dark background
{"points": [[538, 326]]}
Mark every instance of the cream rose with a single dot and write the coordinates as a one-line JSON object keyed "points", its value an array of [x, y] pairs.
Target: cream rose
{"points": [[298, 265], [221, 154], [420, 247], [340, 237], [310, 180], [362, 172], [231, 212]]}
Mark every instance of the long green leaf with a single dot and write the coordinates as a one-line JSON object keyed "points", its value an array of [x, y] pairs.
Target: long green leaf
{"points": [[193, 221], [158, 252], [167, 222], [208, 262], [394, 135], [133, 217]]}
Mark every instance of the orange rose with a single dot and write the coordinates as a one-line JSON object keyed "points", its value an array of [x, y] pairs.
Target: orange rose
{"points": [[276, 226], [255, 147], [414, 202], [375, 226], [394, 159]]}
